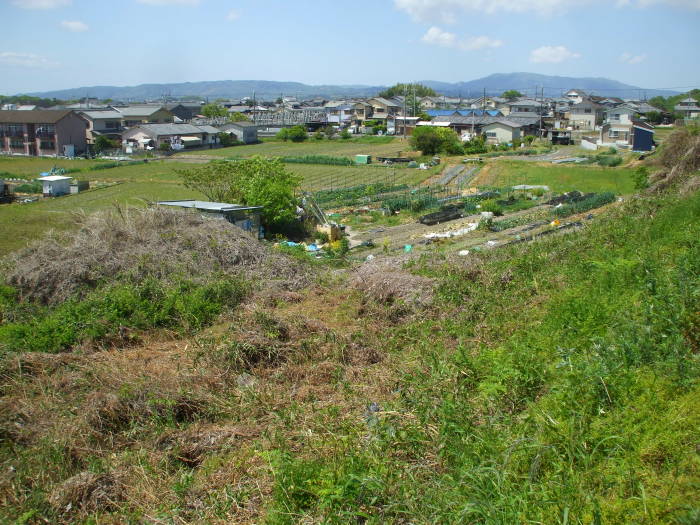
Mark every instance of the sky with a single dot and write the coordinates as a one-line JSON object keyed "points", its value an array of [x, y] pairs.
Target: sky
{"points": [[58, 44]]}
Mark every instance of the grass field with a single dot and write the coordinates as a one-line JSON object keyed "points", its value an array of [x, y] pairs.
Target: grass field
{"points": [[382, 146], [22, 223], [559, 178]]}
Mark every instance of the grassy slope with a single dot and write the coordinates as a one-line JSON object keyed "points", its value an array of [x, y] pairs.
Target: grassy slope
{"points": [[558, 384], [559, 178], [554, 382]]}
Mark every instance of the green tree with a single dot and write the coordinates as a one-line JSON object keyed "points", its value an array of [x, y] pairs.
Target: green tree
{"points": [[238, 117], [511, 94], [654, 117], [214, 110], [102, 143], [297, 134], [227, 139], [405, 89], [426, 140], [431, 140], [257, 181]]}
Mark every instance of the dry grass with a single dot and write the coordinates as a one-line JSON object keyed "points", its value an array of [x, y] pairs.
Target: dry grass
{"points": [[385, 281], [154, 242], [679, 157]]}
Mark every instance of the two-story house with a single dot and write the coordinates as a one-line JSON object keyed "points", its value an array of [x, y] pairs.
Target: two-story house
{"points": [[42, 133], [134, 115], [107, 123], [585, 115], [688, 107]]}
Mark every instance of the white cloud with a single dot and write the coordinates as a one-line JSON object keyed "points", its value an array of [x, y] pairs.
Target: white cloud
{"points": [[437, 37], [447, 11], [29, 60], [233, 15], [170, 2], [552, 54], [40, 4], [74, 25], [629, 58]]}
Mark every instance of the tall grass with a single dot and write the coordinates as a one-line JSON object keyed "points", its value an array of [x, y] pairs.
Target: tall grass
{"points": [[559, 384]]}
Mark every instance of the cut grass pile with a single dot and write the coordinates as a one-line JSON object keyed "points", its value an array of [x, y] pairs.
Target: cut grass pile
{"points": [[135, 269]]}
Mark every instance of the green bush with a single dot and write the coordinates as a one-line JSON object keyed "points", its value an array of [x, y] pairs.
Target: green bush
{"points": [[609, 161], [492, 206]]}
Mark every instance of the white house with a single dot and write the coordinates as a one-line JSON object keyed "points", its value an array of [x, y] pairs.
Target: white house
{"points": [[688, 107]]}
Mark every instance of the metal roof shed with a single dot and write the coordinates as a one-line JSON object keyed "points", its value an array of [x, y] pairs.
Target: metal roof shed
{"points": [[247, 218]]}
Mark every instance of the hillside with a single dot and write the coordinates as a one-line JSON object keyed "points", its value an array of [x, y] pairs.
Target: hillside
{"points": [[494, 85], [157, 367]]}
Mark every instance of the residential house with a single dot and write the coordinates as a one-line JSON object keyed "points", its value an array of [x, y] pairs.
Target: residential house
{"points": [[430, 102], [400, 125], [177, 136], [339, 112], [585, 115], [525, 107], [245, 132], [688, 107], [464, 125], [42, 133], [362, 111], [185, 111], [383, 108], [107, 123], [576, 96], [632, 133], [501, 131], [135, 115], [247, 218], [622, 114]]}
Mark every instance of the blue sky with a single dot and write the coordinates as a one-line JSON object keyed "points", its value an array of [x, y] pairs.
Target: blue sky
{"points": [[56, 44]]}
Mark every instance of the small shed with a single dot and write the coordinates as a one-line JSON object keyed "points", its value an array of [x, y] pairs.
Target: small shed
{"points": [[363, 159], [55, 185], [247, 218]]}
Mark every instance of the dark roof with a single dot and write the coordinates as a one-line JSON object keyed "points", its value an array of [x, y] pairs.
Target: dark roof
{"points": [[40, 116]]}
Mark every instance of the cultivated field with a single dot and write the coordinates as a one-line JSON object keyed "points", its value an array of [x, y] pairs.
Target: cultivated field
{"points": [[559, 178]]}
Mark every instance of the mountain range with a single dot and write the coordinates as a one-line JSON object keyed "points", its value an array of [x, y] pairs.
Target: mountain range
{"points": [[527, 83]]}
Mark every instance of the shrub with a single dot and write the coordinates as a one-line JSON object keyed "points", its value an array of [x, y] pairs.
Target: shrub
{"points": [[319, 159], [609, 161], [165, 147], [345, 134], [640, 176], [492, 206], [297, 134]]}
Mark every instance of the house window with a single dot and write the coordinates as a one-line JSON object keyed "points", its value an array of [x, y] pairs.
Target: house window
{"points": [[587, 110], [112, 124], [491, 134], [16, 142], [48, 144]]}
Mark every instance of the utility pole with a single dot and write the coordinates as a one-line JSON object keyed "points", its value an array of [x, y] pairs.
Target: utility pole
{"points": [[404, 111], [541, 102]]}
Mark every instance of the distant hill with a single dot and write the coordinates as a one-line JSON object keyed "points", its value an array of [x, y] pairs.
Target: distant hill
{"points": [[553, 86], [267, 90]]}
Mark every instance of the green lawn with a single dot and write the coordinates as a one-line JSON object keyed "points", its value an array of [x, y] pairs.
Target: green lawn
{"points": [[381, 146], [561, 178], [23, 223]]}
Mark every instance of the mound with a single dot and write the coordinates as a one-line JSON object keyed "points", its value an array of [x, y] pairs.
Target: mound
{"points": [[138, 244]]}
